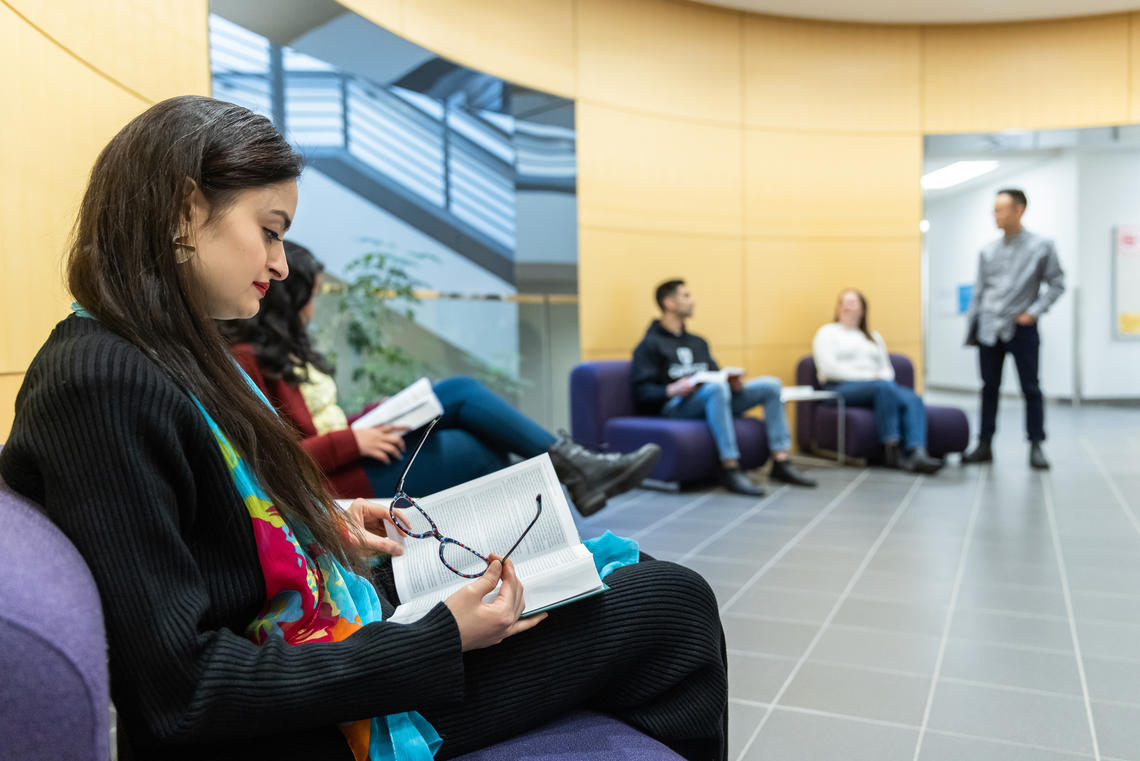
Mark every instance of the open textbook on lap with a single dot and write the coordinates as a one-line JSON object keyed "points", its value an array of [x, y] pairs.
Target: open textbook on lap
{"points": [[711, 376], [488, 515], [414, 407]]}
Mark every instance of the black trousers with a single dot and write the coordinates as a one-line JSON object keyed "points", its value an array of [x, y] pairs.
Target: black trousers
{"points": [[1025, 347], [650, 651]]}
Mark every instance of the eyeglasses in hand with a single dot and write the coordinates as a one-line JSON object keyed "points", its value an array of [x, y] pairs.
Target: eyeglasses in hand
{"points": [[414, 521]]}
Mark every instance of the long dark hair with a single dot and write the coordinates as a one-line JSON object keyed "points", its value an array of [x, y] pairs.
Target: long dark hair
{"points": [[862, 320], [279, 338], [123, 269]]}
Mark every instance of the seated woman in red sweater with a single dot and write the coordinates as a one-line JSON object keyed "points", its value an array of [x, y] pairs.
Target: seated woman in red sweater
{"points": [[476, 435]]}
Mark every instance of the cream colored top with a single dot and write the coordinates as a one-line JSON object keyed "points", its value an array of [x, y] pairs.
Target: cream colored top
{"points": [[844, 354], [319, 393]]}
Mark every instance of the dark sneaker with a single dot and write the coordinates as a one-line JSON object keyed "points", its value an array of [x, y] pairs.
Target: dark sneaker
{"points": [[735, 481], [918, 461], [1037, 459], [980, 453], [892, 458], [592, 478], [783, 470]]}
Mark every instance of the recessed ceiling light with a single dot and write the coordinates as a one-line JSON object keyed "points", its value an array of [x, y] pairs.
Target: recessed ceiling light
{"points": [[956, 173]]}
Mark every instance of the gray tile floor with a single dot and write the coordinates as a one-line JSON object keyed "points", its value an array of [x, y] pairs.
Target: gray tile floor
{"points": [[983, 613]]}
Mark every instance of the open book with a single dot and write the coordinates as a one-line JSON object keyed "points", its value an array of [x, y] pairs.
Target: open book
{"points": [[414, 407], [488, 515], [710, 376]]}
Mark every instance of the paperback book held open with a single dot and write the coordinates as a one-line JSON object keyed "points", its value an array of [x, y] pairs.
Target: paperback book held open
{"points": [[488, 515], [710, 376], [414, 407]]}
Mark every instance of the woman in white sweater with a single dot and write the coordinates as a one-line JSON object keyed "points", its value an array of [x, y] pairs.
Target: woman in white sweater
{"points": [[853, 360]]}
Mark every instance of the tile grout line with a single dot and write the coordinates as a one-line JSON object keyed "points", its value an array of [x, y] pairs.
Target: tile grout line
{"points": [[754, 510], [868, 556], [1051, 512], [958, 576], [902, 725], [1111, 483], [619, 508], [690, 505], [791, 543]]}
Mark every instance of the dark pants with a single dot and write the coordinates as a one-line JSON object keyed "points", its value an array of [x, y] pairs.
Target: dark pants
{"points": [[475, 436], [1025, 348], [649, 650]]}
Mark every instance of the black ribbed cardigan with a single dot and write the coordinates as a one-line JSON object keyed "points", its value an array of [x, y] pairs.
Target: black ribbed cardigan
{"points": [[124, 463]]}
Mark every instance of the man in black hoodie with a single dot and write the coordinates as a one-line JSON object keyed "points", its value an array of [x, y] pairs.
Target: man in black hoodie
{"points": [[665, 365]]}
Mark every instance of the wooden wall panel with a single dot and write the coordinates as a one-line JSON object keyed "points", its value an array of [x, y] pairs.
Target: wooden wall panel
{"points": [[1040, 75], [657, 174], [811, 184], [624, 268], [801, 75], [73, 74], [667, 57]]}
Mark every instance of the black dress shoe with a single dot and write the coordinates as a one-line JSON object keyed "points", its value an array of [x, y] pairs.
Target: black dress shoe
{"points": [[735, 481], [918, 461], [891, 455], [1037, 459], [592, 478], [783, 470], [980, 453]]}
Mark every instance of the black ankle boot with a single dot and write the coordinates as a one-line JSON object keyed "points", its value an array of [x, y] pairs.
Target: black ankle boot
{"points": [[735, 481], [980, 453], [592, 478], [891, 455], [1037, 459], [783, 470], [918, 461]]}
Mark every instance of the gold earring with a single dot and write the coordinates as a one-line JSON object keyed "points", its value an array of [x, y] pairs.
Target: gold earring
{"points": [[184, 249]]}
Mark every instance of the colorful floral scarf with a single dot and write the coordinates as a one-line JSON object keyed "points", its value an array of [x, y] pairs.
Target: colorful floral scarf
{"points": [[313, 598]]}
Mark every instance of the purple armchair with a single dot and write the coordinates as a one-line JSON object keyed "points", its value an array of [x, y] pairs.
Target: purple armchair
{"points": [[602, 416], [54, 700], [947, 429]]}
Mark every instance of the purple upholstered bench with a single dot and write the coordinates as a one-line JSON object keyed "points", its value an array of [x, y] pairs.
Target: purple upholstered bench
{"points": [[582, 736], [947, 429], [602, 417], [54, 701]]}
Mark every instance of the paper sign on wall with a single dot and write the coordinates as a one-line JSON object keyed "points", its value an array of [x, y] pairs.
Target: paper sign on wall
{"points": [[1126, 282]]}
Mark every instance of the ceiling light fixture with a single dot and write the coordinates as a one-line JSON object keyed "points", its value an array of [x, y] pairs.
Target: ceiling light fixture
{"points": [[956, 173]]}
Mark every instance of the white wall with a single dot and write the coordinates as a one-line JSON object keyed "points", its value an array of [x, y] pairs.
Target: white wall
{"points": [[1110, 196], [961, 222]]}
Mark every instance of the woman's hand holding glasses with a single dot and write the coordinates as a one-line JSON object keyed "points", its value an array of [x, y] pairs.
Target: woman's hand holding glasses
{"points": [[484, 624], [368, 518]]}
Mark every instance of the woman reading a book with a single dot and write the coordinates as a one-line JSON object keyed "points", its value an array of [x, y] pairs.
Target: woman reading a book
{"points": [[475, 435], [236, 625], [852, 360]]}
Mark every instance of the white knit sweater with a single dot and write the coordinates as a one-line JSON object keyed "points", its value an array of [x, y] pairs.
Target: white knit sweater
{"points": [[845, 354]]}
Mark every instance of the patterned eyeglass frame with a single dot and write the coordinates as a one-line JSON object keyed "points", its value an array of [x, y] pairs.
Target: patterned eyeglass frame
{"points": [[405, 501]]}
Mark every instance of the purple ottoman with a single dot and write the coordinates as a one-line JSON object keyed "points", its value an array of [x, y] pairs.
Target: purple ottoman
{"points": [[583, 736], [602, 416], [947, 429], [54, 700]]}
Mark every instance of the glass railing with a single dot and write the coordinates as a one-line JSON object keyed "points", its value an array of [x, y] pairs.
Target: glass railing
{"points": [[522, 346]]}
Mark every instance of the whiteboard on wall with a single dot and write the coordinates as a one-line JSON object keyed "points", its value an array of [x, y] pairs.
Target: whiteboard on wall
{"points": [[1126, 283]]}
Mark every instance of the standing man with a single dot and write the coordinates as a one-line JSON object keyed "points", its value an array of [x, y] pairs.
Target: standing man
{"points": [[662, 375], [1003, 316]]}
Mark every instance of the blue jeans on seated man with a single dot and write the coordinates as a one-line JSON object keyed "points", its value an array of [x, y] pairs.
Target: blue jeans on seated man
{"points": [[718, 404], [900, 415]]}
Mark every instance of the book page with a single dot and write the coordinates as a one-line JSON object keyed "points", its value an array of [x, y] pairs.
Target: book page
{"points": [[488, 515], [547, 580], [710, 376], [414, 407]]}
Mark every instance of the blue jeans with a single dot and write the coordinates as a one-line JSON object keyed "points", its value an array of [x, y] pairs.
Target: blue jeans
{"points": [[475, 436], [718, 404], [894, 406]]}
